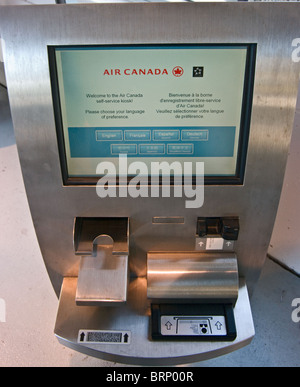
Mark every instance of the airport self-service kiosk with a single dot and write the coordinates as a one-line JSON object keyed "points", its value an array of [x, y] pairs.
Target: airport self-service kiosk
{"points": [[153, 140]]}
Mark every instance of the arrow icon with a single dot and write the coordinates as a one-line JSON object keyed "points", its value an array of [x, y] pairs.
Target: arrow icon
{"points": [[125, 338], [168, 325], [218, 325], [82, 336], [201, 244], [228, 244]]}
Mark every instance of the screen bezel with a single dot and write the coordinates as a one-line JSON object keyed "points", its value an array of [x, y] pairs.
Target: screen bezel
{"points": [[237, 179]]}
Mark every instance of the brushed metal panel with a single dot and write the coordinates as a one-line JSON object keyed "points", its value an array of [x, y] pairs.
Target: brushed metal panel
{"points": [[28, 30], [135, 318], [205, 276], [102, 280]]}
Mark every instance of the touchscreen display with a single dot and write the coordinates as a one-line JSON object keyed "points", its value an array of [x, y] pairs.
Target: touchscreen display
{"points": [[151, 103]]}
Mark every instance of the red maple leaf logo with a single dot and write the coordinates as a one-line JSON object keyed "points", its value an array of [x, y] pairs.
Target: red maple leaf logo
{"points": [[177, 71]]}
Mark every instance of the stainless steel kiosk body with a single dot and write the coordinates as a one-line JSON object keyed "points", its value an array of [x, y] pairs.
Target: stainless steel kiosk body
{"points": [[152, 280]]}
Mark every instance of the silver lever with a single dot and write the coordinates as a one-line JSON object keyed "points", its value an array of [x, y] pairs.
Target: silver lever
{"points": [[103, 270]]}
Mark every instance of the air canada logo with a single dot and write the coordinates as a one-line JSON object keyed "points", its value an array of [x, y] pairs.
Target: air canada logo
{"points": [[177, 71], [137, 71]]}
